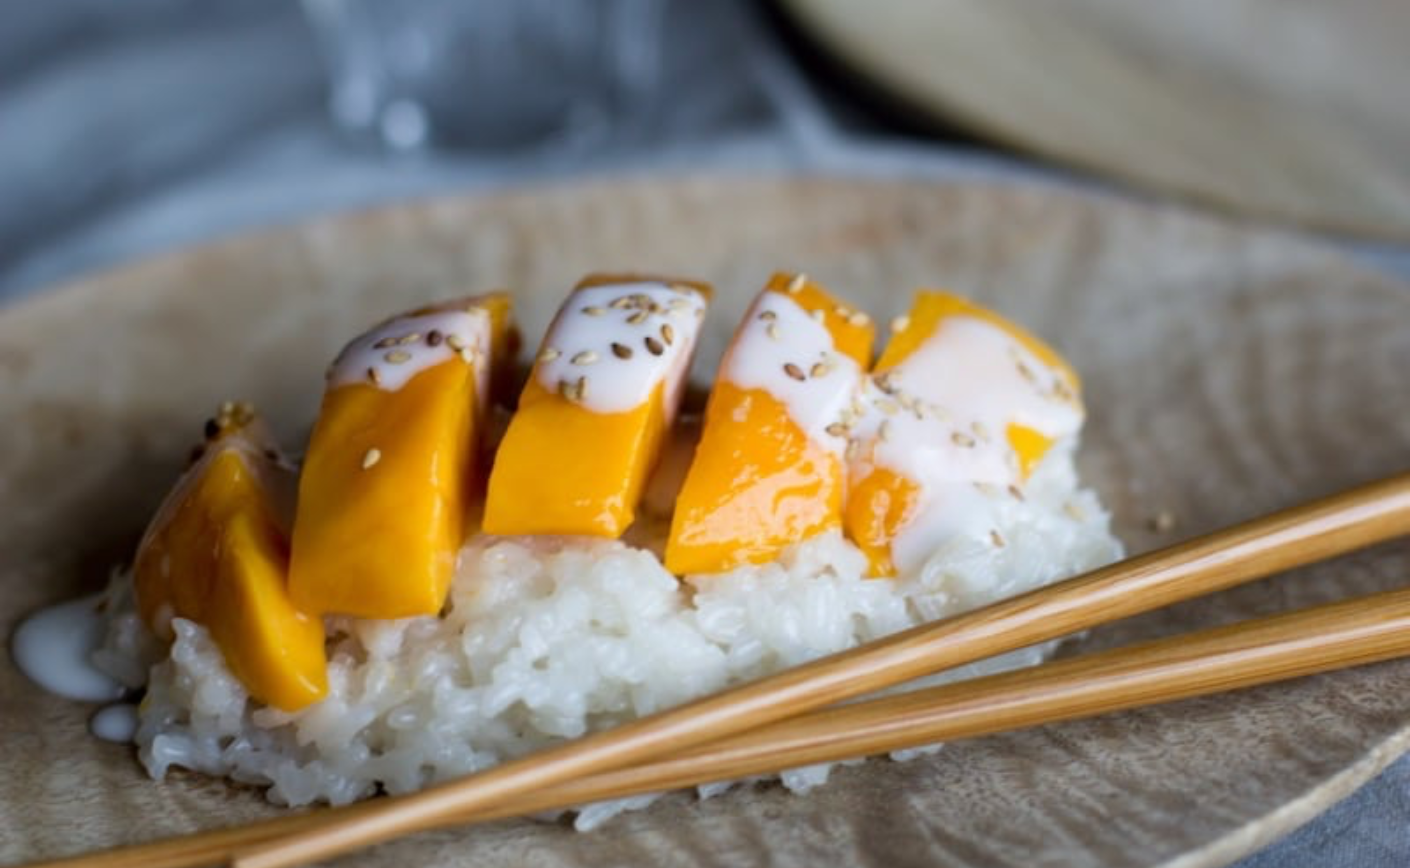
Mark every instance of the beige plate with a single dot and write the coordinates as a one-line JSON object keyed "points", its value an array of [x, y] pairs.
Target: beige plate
{"points": [[1228, 371], [1291, 109]]}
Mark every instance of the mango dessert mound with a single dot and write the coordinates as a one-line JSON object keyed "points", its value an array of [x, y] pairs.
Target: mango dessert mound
{"points": [[430, 591]]}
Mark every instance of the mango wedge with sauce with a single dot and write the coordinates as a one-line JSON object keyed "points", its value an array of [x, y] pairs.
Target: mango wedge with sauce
{"points": [[392, 473], [217, 553], [768, 471], [602, 395], [962, 404]]}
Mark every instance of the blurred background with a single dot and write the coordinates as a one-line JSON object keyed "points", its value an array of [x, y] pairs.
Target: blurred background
{"points": [[132, 127], [128, 128]]}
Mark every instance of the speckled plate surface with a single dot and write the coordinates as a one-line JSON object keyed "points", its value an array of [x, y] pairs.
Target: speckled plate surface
{"points": [[1228, 371]]}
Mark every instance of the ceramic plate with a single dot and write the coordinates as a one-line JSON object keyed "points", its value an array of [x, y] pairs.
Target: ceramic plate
{"points": [[1228, 372]]}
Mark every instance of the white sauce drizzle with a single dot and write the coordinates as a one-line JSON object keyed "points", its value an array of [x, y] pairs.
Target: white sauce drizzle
{"points": [[391, 354], [116, 722], [53, 648], [778, 334], [945, 411], [579, 345]]}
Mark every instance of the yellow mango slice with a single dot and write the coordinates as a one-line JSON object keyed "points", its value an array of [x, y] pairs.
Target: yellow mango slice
{"points": [[217, 553], [391, 469], [767, 472], [962, 404], [602, 394]]}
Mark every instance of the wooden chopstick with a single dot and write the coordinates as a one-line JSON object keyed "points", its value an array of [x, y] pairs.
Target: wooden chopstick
{"points": [[1303, 534], [1271, 649]]}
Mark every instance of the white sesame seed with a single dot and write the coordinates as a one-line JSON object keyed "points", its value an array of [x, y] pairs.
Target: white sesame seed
{"points": [[900, 323], [548, 354], [796, 285], [372, 456], [586, 357]]}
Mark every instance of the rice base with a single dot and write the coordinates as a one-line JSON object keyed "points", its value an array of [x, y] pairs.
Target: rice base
{"points": [[544, 639]]}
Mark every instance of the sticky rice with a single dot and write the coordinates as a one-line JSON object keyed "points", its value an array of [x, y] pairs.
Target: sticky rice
{"points": [[544, 639]]}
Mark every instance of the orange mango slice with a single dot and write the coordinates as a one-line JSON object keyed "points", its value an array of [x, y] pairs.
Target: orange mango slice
{"points": [[391, 472], [960, 400], [768, 468], [601, 397], [217, 553]]}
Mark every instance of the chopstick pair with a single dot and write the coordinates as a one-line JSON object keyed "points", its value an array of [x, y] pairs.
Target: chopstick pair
{"points": [[775, 723]]}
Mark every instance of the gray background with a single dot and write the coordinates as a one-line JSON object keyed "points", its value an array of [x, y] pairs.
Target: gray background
{"points": [[132, 127]]}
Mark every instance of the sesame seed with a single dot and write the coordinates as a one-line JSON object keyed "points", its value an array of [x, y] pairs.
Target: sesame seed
{"points": [[1073, 511], [996, 539], [959, 438], [586, 357], [772, 331], [819, 369], [980, 430], [1016, 493], [653, 346], [434, 338], [668, 334], [467, 355], [271, 455], [1027, 373], [678, 303], [397, 357], [859, 318], [372, 457], [900, 323], [837, 429], [620, 302], [374, 377], [884, 432], [795, 285], [573, 390], [227, 408], [456, 342], [853, 449], [384, 343], [683, 289], [820, 315], [548, 354], [594, 310], [794, 371], [842, 310], [212, 428], [637, 318], [887, 406], [621, 351], [887, 383], [768, 315], [410, 339]]}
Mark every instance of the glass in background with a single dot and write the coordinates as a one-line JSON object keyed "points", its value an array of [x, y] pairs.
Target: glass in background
{"points": [[493, 75]]}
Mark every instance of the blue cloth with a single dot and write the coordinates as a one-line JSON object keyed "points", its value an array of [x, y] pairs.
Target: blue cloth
{"points": [[134, 127]]}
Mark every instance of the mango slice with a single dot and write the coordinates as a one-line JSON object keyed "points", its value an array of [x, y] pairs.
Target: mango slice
{"points": [[217, 553], [603, 392], [962, 404], [768, 470], [391, 471]]}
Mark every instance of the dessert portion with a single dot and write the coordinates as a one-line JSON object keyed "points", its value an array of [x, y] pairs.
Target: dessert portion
{"points": [[391, 471], [957, 413], [603, 393], [768, 470], [217, 554], [378, 636]]}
